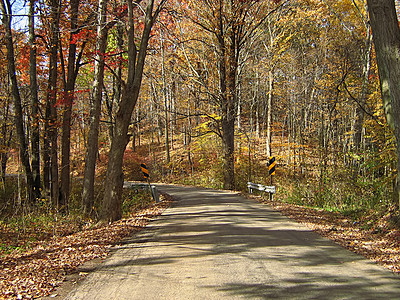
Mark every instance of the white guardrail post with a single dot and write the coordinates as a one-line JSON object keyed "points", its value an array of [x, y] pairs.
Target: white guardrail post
{"points": [[153, 190], [271, 189]]}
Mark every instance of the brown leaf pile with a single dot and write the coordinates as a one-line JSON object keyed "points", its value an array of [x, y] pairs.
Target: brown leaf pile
{"points": [[37, 272], [379, 244]]}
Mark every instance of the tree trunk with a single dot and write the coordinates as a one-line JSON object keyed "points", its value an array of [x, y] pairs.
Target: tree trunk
{"points": [[117, 85], [35, 135], [18, 119], [228, 141], [46, 150], [227, 64], [52, 100], [229, 109], [111, 205], [93, 135], [69, 98], [227, 126], [386, 37]]}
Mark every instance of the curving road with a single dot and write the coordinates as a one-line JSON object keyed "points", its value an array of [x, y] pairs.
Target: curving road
{"points": [[217, 245]]}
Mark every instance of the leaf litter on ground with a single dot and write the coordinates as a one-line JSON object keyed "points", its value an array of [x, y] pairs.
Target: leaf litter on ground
{"points": [[379, 242], [37, 272]]}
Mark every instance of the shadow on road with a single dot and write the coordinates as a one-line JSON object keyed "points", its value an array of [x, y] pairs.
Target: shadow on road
{"points": [[213, 245]]}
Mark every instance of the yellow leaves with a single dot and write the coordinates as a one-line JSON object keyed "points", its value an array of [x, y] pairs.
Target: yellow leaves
{"points": [[203, 127], [210, 125]]}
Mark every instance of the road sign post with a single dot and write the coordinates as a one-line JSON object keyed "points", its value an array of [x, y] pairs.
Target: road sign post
{"points": [[146, 176], [271, 171]]}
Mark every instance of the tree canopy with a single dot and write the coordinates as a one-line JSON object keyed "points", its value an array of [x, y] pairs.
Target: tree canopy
{"points": [[203, 91]]}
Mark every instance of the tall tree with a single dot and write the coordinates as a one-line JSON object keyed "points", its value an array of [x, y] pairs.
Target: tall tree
{"points": [[111, 205], [386, 37], [17, 101], [69, 89], [227, 26], [35, 134], [51, 126], [95, 109]]}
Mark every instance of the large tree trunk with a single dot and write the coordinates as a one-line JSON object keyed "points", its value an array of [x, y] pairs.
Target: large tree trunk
{"points": [[18, 119], [228, 142], [69, 98], [227, 123], [51, 110], [386, 37], [111, 205], [228, 128], [95, 110], [228, 66], [35, 132]]}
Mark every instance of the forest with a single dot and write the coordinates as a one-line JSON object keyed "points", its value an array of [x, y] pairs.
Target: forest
{"points": [[204, 93]]}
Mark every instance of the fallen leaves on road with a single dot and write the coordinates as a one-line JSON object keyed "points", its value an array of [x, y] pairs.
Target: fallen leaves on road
{"points": [[37, 272], [378, 244]]}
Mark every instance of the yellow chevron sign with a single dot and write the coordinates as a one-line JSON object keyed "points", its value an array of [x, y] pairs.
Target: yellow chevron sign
{"points": [[145, 171], [271, 165]]}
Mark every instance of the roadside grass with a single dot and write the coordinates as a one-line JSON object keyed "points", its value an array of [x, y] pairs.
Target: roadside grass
{"points": [[366, 201]]}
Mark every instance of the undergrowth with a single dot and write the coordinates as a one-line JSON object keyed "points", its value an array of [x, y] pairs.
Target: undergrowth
{"points": [[363, 200], [23, 226]]}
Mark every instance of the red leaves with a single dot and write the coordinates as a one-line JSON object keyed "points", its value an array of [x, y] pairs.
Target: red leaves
{"points": [[121, 9], [81, 36]]}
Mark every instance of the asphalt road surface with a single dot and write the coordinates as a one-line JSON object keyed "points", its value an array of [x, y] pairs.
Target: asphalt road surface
{"points": [[218, 245]]}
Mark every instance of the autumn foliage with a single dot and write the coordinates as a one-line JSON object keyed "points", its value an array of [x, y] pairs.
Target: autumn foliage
{"points": [[225, 85]]}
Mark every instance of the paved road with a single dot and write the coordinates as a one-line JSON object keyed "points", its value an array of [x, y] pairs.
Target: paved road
{"points": [[218, 245]]}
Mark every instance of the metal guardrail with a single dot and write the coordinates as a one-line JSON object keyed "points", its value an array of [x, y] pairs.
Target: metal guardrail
{"points": [[271, 189], [139, 185]]}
